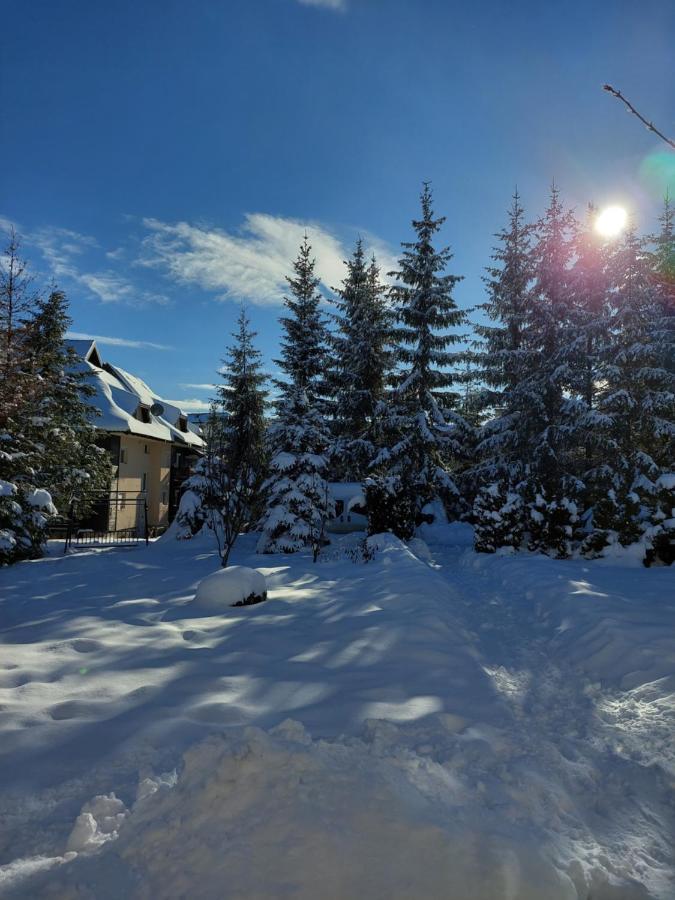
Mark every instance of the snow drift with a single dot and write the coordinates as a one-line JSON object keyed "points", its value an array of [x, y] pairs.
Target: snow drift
{"points": [[234, 586]]}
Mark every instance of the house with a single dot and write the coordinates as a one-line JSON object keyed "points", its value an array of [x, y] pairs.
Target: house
{"points": [[152, 445], [350, 508]]}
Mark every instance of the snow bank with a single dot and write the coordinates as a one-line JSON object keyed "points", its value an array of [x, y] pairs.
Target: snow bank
{"points": [[234, 586], [266, 814]]}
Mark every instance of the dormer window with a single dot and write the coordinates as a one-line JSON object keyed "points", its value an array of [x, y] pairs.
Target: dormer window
{"points": [[182, 423], [143, 414]]}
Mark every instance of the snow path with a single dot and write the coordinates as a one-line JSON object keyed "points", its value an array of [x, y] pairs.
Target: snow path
{"points": [[571, 713], [501, 724]]}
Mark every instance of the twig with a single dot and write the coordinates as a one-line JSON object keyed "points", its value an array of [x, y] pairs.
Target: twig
{"points": [[648, 125]]}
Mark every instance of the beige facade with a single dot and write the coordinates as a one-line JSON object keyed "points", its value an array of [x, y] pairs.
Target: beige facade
{"points": [[151, 443], [143, 473]]}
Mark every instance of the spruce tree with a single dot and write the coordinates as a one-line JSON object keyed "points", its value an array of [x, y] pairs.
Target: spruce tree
{"points": [[589, 335], [303, 346], [242, 398], [298, 499], [505, 357], [663, 266], [224, 490], [425, 434], [362, 364], [63, 452], [550, 478], [636, 398]]}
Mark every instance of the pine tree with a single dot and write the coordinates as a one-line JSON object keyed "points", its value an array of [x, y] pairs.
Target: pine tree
{"points": [[298, 500], [224, 490], [425, 433], [589, 342], [242, 400], [303, 347], [363, 361], [551, 338], [637, 396], [60, 428], [505, 357], [663, 260]]}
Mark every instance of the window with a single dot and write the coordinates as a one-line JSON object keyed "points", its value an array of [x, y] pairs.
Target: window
{"points": [[123, 455], [143, 414], [145, 448], [182, 423], [144, 482], [163, 498]]}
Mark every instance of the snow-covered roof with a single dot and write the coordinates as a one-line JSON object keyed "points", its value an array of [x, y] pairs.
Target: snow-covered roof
{"points": [[119, 395], [351, 493]]}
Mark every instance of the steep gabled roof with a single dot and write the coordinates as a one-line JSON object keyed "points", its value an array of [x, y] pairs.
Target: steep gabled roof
{"points": [[118, 395], [87, 349]]}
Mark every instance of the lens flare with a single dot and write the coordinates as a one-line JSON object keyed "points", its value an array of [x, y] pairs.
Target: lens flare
{"points": [[611, 221]]}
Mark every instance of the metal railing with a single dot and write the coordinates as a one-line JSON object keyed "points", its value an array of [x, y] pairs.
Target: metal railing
{"points": [[98, 520]]}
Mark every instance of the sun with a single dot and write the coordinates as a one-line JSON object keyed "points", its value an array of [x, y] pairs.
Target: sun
{"points": [[611, 221]]}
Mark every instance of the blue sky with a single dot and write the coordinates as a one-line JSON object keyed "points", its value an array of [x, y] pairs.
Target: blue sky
{"points": [[163, 158]]}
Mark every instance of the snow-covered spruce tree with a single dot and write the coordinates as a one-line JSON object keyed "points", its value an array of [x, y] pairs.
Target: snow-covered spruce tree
{"points": [[224, 490], [24, 509], [425, 435], [551, 489], [637, 399], [588, 342], [505, 359], [663, 268], [361, 367], [298, 499], [63, 453]]}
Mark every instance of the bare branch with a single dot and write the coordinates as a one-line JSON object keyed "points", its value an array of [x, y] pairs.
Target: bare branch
{"points": [[648, 125]]}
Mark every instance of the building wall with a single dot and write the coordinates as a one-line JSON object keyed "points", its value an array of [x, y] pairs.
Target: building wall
{"points": [[139, 457]]}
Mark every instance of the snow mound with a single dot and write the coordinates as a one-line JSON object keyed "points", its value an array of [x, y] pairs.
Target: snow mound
{"points": [[234, 586], [277, 813], [99, 822]]}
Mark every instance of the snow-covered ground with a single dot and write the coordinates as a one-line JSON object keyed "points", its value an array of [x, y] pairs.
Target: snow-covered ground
{"points": [[430, 724]]}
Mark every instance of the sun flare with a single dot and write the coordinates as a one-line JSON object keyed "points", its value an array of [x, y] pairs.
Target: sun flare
{"points": [[611, 221]]}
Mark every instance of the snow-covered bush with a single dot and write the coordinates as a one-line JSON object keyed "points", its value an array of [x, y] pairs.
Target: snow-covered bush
{"points": [[194, 503], [24, 517], [552, 525], [233, 586], [498, 515]]}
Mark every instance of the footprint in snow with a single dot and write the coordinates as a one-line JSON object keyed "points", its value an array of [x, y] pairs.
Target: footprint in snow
{"points": [[84, 645], [74, 709]]}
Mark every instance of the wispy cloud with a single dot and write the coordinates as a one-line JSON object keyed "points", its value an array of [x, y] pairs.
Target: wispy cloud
{"points": [[63, 250], [337, 5], [250, 264], [198, 387], [116, 341]]}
